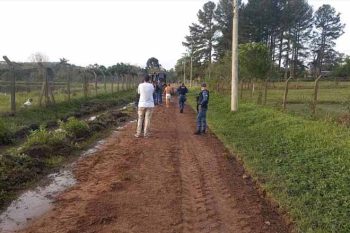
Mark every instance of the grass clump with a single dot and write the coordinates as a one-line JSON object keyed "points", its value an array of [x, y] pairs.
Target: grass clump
{"points": [[75, 128], [303, 164], [5, 134], [44, 143]]}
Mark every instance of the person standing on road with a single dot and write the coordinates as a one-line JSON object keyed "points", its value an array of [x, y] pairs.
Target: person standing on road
{"points": [[145, 106], [182, 91], [168, 91], [202, 107]]}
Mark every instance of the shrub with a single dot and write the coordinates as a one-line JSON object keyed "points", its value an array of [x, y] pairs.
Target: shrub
{"points": [[42, 142], [5, 134], [75, 128]]}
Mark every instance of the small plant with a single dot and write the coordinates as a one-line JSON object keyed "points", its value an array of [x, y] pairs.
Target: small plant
{"points": [[75, 128], [5, 134], [42, 142]]}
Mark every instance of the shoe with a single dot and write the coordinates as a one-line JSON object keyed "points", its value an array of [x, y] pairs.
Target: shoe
{"points": [[137, 136], [203, 132], [197, 132], [181, 110]]}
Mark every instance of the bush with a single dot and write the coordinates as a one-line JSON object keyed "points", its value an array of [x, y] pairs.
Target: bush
{"points": [[75, 128], [5, 134], [43, 143]]}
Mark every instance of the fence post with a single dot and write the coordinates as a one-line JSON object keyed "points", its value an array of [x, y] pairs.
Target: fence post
{"points": [[112, 84], [84, 84], [95, 75], [315, 95], [104, 80], [68, 84], [13, 84], [118, 83], [286, 93]]}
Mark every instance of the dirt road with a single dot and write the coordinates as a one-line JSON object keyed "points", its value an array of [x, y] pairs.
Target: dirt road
{"points": [[173, 181]]}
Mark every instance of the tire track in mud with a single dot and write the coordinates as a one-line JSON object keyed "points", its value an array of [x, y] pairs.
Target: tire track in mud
{"points": [[172, 182]]}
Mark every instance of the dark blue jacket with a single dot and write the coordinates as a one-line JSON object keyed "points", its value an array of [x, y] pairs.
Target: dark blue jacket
{"points": [[203, 99], [182, 90]]}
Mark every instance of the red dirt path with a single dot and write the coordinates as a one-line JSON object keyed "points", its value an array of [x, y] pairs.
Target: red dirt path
{"points": [[173, 181]]}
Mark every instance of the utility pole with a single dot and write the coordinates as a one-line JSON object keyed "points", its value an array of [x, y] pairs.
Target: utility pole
{"points": [[234, 85], [191, 71], [184, 62]]}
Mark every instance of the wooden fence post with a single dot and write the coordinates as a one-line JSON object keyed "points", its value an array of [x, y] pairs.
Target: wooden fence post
{"points": [[265, 91], [118, 83], [95, 76], [104, 81], [286, 93], [314, 105], [85, 85], [112, 84], [13, 84], [68, 84]]}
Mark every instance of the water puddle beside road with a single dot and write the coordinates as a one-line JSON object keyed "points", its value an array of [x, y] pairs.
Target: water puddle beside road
{"points": [[35, 202]]}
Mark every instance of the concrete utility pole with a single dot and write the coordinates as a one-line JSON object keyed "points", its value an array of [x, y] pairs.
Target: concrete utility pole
{"points": [[184, 62], [191, 71], [234, 85]]}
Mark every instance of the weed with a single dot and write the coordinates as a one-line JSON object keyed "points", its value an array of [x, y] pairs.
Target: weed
{"points": [[75, 128]]}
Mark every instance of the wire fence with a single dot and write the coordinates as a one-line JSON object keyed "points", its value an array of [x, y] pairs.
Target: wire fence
{"points": [[322, 98], [46, 84]]}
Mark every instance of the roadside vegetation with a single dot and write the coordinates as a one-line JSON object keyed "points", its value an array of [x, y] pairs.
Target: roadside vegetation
{"points": [[20, 125], [302, 164], [45, 148]]}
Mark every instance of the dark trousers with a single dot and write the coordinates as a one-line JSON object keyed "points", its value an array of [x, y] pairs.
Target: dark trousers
{"points": [[202, 119], [182, 100], [159, 96]]}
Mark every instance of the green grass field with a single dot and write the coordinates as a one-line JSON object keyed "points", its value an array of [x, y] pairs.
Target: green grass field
{"points": [[60, 94], [333, 100], [303, 164]]}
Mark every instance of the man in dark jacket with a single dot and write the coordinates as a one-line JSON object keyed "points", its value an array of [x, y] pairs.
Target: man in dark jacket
{"points": [[182, 91], [202, 106]]}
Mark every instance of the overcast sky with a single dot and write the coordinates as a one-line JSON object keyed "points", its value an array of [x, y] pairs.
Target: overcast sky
{"points": [[109, 31]]}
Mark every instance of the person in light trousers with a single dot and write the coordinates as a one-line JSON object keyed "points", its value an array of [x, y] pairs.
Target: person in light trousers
{"points": [[145, 106]]}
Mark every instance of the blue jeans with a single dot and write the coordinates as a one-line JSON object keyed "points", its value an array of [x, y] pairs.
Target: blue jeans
{"points": [[202, 120], [159, 97], [182, 100], [155, 98]]}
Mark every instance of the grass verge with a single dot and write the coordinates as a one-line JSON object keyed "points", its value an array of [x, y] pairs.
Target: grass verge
{"points": [[303, 164], [45, 149], [25, 120]]}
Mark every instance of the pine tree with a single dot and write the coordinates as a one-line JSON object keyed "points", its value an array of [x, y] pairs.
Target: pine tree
{"points": [[202, 35], [328, 29]]}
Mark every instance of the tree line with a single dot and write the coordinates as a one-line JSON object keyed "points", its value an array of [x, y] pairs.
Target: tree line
{"points": [[299, 40]]}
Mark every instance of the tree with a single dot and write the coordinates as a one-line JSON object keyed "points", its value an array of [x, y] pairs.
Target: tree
{"points": [[223, 16], [328, 29], [152, 64], [254, 62], [300, 34], [343, 69], [202, 36]]}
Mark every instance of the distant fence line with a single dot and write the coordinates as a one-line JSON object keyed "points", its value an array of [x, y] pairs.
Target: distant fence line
{"points": [[48, 88]]}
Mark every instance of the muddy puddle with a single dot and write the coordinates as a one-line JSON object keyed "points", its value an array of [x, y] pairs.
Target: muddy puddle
{"points": [[33, 203]]}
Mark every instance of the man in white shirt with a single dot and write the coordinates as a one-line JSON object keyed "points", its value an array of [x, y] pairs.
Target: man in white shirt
{"points": [[145, 106]]}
